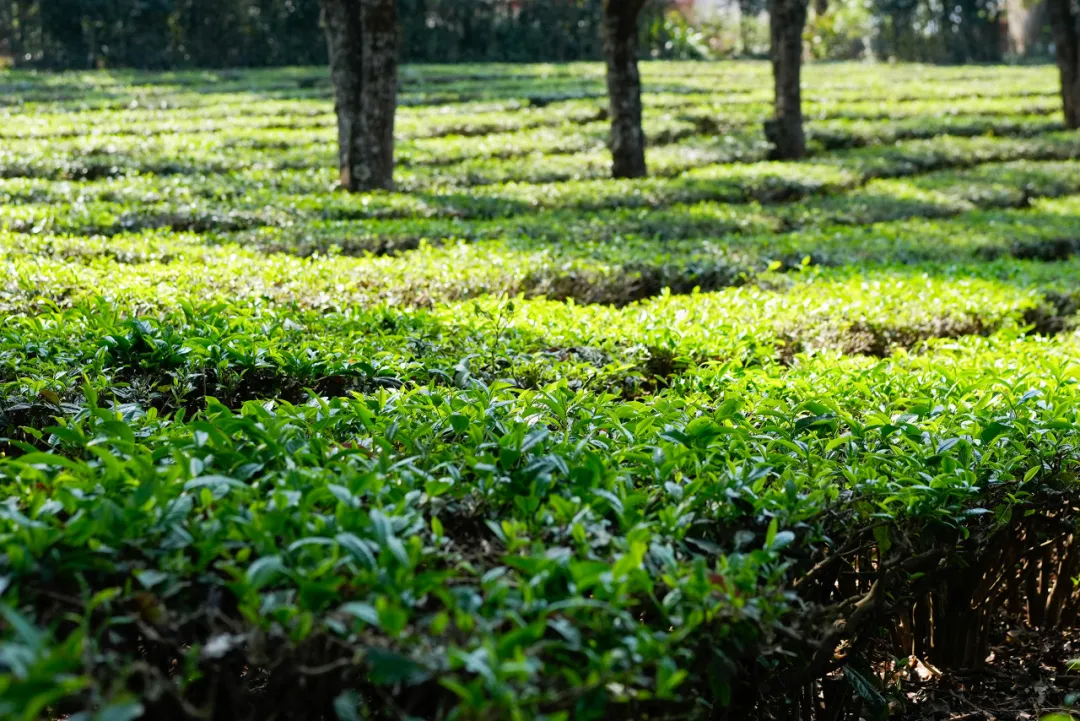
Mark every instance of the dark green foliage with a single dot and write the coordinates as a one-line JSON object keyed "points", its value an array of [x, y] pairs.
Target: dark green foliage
{"points": [[160, 34], [962, 32]]}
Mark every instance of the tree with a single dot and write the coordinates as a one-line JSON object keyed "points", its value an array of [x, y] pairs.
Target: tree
{"points": [[748, 10], [361, 36], [896, 24], [1067, 48], [1026, 21], [972, 31], [620, 33], [787, 19]]}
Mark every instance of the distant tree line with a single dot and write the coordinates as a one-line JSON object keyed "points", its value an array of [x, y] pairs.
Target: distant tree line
{"points": [[936, 31], [158, 34]]}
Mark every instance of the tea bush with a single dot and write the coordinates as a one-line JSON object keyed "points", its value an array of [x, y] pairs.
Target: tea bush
{"points": [[518, 441]]}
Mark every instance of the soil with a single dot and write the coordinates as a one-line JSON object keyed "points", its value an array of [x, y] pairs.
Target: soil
{"points": [[1028, 676]]}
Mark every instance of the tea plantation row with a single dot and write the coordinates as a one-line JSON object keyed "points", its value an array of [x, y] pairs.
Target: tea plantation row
{"points": [[519, 441]]}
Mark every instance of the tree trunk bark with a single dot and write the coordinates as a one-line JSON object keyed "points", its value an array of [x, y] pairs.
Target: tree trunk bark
{"points": [[361, 36], [1067, 49], [18, 33], [784, 131], [1026, 21], [744, 27], [624, 87]]}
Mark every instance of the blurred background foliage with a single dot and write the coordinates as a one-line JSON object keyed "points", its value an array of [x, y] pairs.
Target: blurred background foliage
{"points": [[161, 34]]}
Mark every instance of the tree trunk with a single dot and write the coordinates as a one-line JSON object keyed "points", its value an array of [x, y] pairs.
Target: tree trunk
{"points": [[361, 36], [624, 87], [744, 27], [18, 33], [784, 131], [1067, 49], [1026, 21]]}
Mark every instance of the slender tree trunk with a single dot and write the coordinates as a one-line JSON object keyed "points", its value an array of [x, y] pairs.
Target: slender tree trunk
{"points": [[744, 27], [787, 18], [1067, 49], [7, 29], [624, 87], [1026, 21], [29, 44], [361, 36], [91, 43]]}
